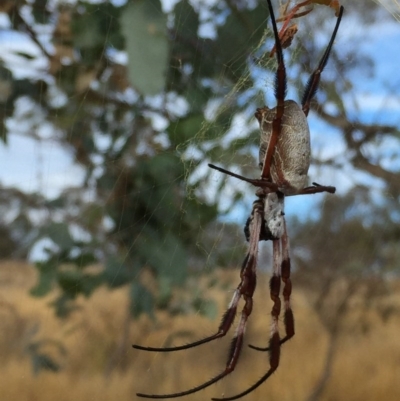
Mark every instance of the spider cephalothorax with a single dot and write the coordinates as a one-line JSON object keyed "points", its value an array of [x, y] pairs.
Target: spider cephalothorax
{"points": [[284, 160]]}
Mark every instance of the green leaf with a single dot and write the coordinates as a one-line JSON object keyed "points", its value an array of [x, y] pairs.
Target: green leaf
{"points": [[40, 11], [166, 255], [25, 55], [84, 259], [197, 97], [116, 273], [186, 21], [74, 282], [185, 129], [59, 233], [47, 275], [144, 28], [141, 301], [64, 305], [164, 292], [237, 37], [87, 33], [70, 282]]}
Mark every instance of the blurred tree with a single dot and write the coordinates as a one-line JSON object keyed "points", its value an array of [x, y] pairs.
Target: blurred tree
{"points": [[143, 130], [344, 259]]}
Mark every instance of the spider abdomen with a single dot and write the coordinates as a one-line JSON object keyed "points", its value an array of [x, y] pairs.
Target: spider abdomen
{"points": [[291, 158]]}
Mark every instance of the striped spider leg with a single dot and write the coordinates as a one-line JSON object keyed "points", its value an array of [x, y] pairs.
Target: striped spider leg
{"points": [[284, 160], [246, 290]]}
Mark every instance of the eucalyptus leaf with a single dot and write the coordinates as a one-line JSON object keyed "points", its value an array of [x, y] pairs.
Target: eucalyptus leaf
{"points": [[141, 300], [59, 233], [47, 274], [168, 256], [116, 273], [144, 28], [64, 305], [184, 129]]}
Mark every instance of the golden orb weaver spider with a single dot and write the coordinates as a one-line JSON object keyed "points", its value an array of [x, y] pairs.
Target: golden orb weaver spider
{"points": [[284, 160]]}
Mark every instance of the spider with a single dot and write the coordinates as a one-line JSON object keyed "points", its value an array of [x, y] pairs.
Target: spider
{"points": [[284, 159]]}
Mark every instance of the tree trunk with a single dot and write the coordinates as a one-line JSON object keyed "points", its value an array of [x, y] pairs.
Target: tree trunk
{"points": [[327, 369]]}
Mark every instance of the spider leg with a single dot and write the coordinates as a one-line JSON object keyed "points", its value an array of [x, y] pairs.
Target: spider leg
{"points": [[272, 187], [313, 81], [280, 93], [288, 318], [246, 289], [315, 189], [226, 322], [259, 183], [287, 289], [275, 341]]}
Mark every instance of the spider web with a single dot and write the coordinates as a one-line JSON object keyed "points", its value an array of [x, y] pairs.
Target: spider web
{"points": [[256, 85], [260, 79]]}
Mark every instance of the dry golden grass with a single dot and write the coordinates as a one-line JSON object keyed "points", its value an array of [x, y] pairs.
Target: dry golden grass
{"points": [[366, 368]]}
